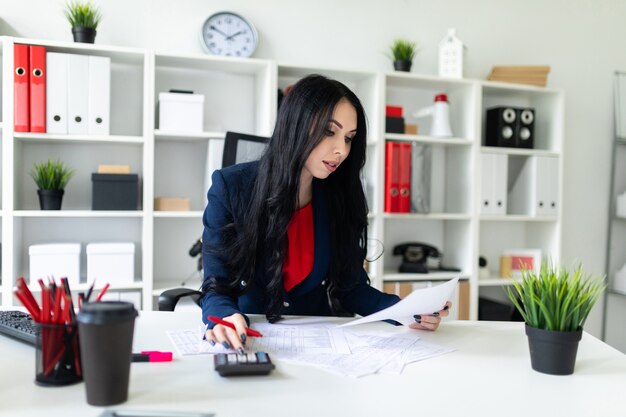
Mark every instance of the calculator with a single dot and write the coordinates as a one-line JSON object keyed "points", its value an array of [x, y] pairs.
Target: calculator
{"points": [[232, 364]]}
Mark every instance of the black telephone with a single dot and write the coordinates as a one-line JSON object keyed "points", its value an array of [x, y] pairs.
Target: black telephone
{"points": [[417, 257]]}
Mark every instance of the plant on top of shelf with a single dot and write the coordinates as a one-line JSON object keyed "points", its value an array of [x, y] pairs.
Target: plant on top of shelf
{"points": [[51, 178], [84, 18], [555, 304], [402, 53]]}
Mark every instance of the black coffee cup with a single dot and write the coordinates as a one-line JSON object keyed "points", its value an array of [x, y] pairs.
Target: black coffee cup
{"points": [[106, 341]]}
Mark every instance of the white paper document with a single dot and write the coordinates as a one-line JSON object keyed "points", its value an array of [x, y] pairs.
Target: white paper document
{"points": [[422, 301]]}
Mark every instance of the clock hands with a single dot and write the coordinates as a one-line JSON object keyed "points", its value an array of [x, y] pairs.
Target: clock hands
{"points": [[228, 38], [219, 31]]}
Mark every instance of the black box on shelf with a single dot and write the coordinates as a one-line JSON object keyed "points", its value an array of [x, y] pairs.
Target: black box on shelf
{"points": [[114, 191], [495, 311], [394, 124]]}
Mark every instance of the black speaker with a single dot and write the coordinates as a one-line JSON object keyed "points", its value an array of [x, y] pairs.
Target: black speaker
{"points": [[501, 127], [510, 127], [525, 131]]}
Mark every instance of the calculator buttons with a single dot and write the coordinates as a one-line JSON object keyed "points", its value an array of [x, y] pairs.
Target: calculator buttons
{"points": [[230, 364]]}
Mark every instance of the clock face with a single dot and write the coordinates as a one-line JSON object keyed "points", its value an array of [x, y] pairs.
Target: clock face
{"points": [[229, 34]]}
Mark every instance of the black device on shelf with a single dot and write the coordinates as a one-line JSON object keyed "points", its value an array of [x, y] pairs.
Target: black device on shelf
{"points": [[18, 325], [232, 364], [510, 127]]}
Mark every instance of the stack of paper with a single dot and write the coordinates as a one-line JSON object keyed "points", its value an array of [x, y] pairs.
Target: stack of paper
{"points": [[533, 75]]}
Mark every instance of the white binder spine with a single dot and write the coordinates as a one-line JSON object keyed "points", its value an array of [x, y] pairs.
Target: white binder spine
{"points": [[486, 183], [77, 93], [56, 93], [500, 172], [99, 95]]}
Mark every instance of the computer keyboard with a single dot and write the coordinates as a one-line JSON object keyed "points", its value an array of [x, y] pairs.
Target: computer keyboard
{"points": [[18, 325]]}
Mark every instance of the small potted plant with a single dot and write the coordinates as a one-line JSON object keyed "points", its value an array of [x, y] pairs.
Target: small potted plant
{"points": [[51, 178], [402, 53], [84, 18], [554, 304]]}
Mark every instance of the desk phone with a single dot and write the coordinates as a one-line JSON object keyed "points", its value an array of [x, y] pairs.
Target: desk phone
{"points": [[232, 364]]}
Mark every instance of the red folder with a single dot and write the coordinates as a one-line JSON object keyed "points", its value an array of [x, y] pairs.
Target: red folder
{"points": [[21, 77], [392, 171], [404, 178], [38, 89]]}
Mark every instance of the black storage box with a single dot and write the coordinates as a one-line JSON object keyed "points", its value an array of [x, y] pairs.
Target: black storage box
{"points": [[114, 191], [493, 310], [394, 124]]}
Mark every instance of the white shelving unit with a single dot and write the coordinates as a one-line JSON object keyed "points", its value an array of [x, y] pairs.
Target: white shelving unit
{"points": [[614, 331], [241, 95]]}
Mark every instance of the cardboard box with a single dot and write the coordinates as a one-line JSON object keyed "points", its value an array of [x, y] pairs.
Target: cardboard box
{"points": [[410, 129], [171, 204], [111, 262], [180, 112], [113, 169], [55, 260]]}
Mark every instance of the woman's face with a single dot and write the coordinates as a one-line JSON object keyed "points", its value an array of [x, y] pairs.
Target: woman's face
{"points": [[334, 148]]}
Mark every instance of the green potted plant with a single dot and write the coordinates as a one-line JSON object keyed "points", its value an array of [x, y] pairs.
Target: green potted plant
{"points": [[554, 304], [51, 178], [402, 53], [84, 18]]}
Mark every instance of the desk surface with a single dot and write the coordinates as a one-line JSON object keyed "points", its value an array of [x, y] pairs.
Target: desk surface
{"points": [[489, 374]]}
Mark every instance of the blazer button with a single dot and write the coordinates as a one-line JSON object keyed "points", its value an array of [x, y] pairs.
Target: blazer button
{"points": [[285, 304], [243, 283], [324, 282]]}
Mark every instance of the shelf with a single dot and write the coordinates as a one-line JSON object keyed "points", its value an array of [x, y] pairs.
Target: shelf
{"points": [[428, 139], [517, 218], [519, 151], [616, 292], [137, 285], [497, 282], [427, 216], [431, 276], [51, 138], [163, 286], [178, 214], [187, 136], [77, 213], [250, 66]]}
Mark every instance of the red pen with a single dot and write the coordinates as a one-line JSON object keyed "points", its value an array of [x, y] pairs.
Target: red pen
{"points": [[102, 292], [249, 332], [152, 356]]}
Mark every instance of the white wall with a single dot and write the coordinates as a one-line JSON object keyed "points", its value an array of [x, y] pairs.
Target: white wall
{"points": [[580, 39]]}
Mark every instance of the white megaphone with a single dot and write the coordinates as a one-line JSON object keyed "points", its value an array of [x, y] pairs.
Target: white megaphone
{"points": [[440, 112]]}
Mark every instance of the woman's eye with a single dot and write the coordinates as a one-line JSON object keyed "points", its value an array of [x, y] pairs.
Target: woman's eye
{"points": [[349, 139], [328, 132]]}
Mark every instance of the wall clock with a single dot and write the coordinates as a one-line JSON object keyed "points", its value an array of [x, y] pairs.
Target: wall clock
{"points": [[229, 34]]}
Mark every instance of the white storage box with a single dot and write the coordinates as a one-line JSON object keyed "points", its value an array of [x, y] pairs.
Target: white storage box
{"points": [[112, 263], [56, 260], [179, 112]]}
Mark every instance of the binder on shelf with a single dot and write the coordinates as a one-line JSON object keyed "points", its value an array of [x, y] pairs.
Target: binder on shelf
{"points": [[56, 93], [493, 194], [404, 178], [99, 96], [487, 167], [392, 173], [535, 190], [77, 93], [38, 89], [21, 96], [421, 157]]}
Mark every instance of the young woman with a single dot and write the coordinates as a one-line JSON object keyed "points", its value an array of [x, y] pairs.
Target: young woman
{"points": [[287, 234]]}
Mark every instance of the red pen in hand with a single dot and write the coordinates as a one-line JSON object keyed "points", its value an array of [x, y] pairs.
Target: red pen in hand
{"points": [[249, 332]]}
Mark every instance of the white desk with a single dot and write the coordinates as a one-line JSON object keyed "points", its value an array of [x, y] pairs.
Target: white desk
{"points": [[488, 375]]}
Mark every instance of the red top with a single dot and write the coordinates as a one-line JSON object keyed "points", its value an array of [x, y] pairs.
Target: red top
{"points": [[301, 248], [441, 97]]}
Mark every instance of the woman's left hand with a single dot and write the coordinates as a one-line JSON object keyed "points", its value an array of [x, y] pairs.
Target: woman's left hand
{"points": [[431, 321]]}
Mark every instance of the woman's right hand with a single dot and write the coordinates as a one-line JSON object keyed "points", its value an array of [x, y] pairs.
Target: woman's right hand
{"points": [[229, 338]]}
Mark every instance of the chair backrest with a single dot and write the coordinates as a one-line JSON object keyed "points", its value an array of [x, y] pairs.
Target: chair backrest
{"points": [[241, 147]]}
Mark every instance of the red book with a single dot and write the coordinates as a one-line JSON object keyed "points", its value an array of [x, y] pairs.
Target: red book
{"points": [[393, 111], [21, 77], [38, 89], [404, 177], [392, 171]]}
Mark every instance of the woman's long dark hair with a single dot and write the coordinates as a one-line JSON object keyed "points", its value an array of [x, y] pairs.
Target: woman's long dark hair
{"points": [[261, 241]]}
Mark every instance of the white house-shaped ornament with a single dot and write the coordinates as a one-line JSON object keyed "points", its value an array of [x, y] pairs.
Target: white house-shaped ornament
{"points": [[451, 56]]}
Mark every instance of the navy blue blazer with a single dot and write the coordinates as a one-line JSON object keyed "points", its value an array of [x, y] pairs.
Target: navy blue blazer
{"points": [[228, 199]]}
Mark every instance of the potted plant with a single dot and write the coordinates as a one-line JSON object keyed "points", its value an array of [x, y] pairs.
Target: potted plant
{"points": [[554, 304], [402, 53], [84, 18], [51, 178]]}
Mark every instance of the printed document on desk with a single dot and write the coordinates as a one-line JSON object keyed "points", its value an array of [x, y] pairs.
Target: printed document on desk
{"points": [[422, 301]]}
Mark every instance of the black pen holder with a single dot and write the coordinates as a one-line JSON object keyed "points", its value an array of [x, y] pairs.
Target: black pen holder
{"points": [[58, 355]]}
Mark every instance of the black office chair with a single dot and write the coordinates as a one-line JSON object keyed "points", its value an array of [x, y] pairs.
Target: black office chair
{"points": [[238, 148]]}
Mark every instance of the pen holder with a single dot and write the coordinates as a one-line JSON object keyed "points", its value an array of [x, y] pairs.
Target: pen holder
{"points": [[58, 355]]}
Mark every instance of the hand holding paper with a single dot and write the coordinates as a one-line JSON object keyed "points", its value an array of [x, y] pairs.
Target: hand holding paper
{"points": [[422, 301]]}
